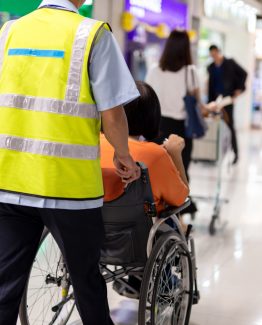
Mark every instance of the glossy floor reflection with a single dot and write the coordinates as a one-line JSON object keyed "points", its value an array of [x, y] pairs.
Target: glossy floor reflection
{"points": [[230, 263]]}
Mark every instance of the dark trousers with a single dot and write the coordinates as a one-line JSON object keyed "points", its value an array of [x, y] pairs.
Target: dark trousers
{"points": [[79, 235], [229, 119], [171, 126]]}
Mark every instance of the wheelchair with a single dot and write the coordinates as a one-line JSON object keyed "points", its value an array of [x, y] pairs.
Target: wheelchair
{"points": [[139, 244]]}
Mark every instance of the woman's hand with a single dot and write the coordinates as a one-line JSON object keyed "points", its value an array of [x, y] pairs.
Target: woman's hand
{"points": [[174, 144]]}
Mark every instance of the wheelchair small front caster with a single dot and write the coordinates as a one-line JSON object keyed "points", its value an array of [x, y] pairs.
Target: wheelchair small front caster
{"points": [[212, 227], [196, 297]]}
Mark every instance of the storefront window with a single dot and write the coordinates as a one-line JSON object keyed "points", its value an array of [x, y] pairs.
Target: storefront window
{"points": [[148, 24]]}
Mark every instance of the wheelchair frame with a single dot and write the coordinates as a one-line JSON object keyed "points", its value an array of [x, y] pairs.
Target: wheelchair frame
{"points": [[176, 243]]}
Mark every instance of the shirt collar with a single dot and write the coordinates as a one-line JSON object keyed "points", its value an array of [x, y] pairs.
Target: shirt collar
{"points": [[60, 3]]}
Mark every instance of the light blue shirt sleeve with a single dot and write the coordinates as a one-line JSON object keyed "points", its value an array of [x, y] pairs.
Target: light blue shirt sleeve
{"points": [[111, 81]]}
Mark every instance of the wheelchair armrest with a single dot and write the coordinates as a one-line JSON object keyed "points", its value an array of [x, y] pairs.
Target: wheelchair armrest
{"points": [[171, 212], [175, 210]]}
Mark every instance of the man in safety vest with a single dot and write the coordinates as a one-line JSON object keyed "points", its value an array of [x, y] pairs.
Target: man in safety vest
{"points": [[59, 72]]}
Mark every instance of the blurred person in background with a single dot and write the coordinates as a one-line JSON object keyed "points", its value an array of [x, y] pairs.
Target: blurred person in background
{"points": [[226, 78], [170, 80]]}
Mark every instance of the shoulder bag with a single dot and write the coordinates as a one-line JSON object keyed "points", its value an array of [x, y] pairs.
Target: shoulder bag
{"points": [[195, 126]]}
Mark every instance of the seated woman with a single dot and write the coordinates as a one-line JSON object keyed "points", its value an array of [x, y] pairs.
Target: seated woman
{"points": [[166, 170], [164, 163]]}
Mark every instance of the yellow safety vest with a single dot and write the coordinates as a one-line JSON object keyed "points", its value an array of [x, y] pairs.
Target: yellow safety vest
{"points": [[49, 123]]}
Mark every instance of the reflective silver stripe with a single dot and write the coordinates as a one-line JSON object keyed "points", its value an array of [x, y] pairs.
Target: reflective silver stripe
{"points": [[49, 105], [3, 39], [77, 60], [47, 148]]}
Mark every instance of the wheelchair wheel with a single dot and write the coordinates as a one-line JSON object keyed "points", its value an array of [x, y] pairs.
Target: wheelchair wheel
{"points": [[167, 288], [47, 298]]}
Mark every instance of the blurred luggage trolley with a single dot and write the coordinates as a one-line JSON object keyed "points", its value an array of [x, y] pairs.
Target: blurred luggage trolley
{"points": [[139, 245], [214, 147]]}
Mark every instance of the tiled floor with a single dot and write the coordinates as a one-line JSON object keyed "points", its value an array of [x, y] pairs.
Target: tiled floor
{"points": [[230, 263]]}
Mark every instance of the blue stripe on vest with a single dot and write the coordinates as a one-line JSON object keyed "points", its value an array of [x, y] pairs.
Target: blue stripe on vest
{"points": [[38, 53]]}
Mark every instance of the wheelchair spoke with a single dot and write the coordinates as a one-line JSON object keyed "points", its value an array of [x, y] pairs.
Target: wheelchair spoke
{"points": [[43, 300], [169, 284]]}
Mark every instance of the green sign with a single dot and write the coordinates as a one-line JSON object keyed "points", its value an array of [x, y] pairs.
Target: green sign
{"points": [[19, 7], [86, 10], [23, 7]]}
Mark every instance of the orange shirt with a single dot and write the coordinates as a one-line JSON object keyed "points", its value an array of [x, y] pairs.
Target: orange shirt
{"points": [[166, 183]]}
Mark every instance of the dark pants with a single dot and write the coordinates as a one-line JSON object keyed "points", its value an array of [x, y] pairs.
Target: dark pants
{"points": [[79, 235], [171, 126], [229, 119]]}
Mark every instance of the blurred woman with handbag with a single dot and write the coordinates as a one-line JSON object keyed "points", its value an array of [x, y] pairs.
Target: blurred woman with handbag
{"points": [[173, 79]]}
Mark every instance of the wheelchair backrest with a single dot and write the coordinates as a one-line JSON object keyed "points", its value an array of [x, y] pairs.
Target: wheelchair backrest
{"points": [[128, 220]]}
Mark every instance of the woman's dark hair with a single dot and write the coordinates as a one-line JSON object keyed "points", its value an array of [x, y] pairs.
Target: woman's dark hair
{"points": [[177, 52], [143, 114]]}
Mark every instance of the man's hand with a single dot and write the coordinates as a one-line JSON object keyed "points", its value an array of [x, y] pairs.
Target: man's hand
{"points": [[213, 107], [127, 169], [116, 131], [205, 110], [174, 144]]}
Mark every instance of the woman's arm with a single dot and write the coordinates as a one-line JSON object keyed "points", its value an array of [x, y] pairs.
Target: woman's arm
{"points": [[168, 177], [174, 146]]}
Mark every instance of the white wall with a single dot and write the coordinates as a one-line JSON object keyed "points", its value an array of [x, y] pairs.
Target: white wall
{"points": [[239, 44], [110, 11], [241, 47]]}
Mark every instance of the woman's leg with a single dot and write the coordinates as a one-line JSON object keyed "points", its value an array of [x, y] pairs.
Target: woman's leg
{"points": [[229, 119], [186, 155]]}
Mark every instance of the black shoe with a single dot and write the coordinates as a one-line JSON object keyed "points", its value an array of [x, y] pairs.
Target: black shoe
{"points": [[123, 291], [118, 287]]}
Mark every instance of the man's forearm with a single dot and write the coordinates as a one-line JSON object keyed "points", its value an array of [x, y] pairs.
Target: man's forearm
{"points": [[115, 128], [116, 131]]}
